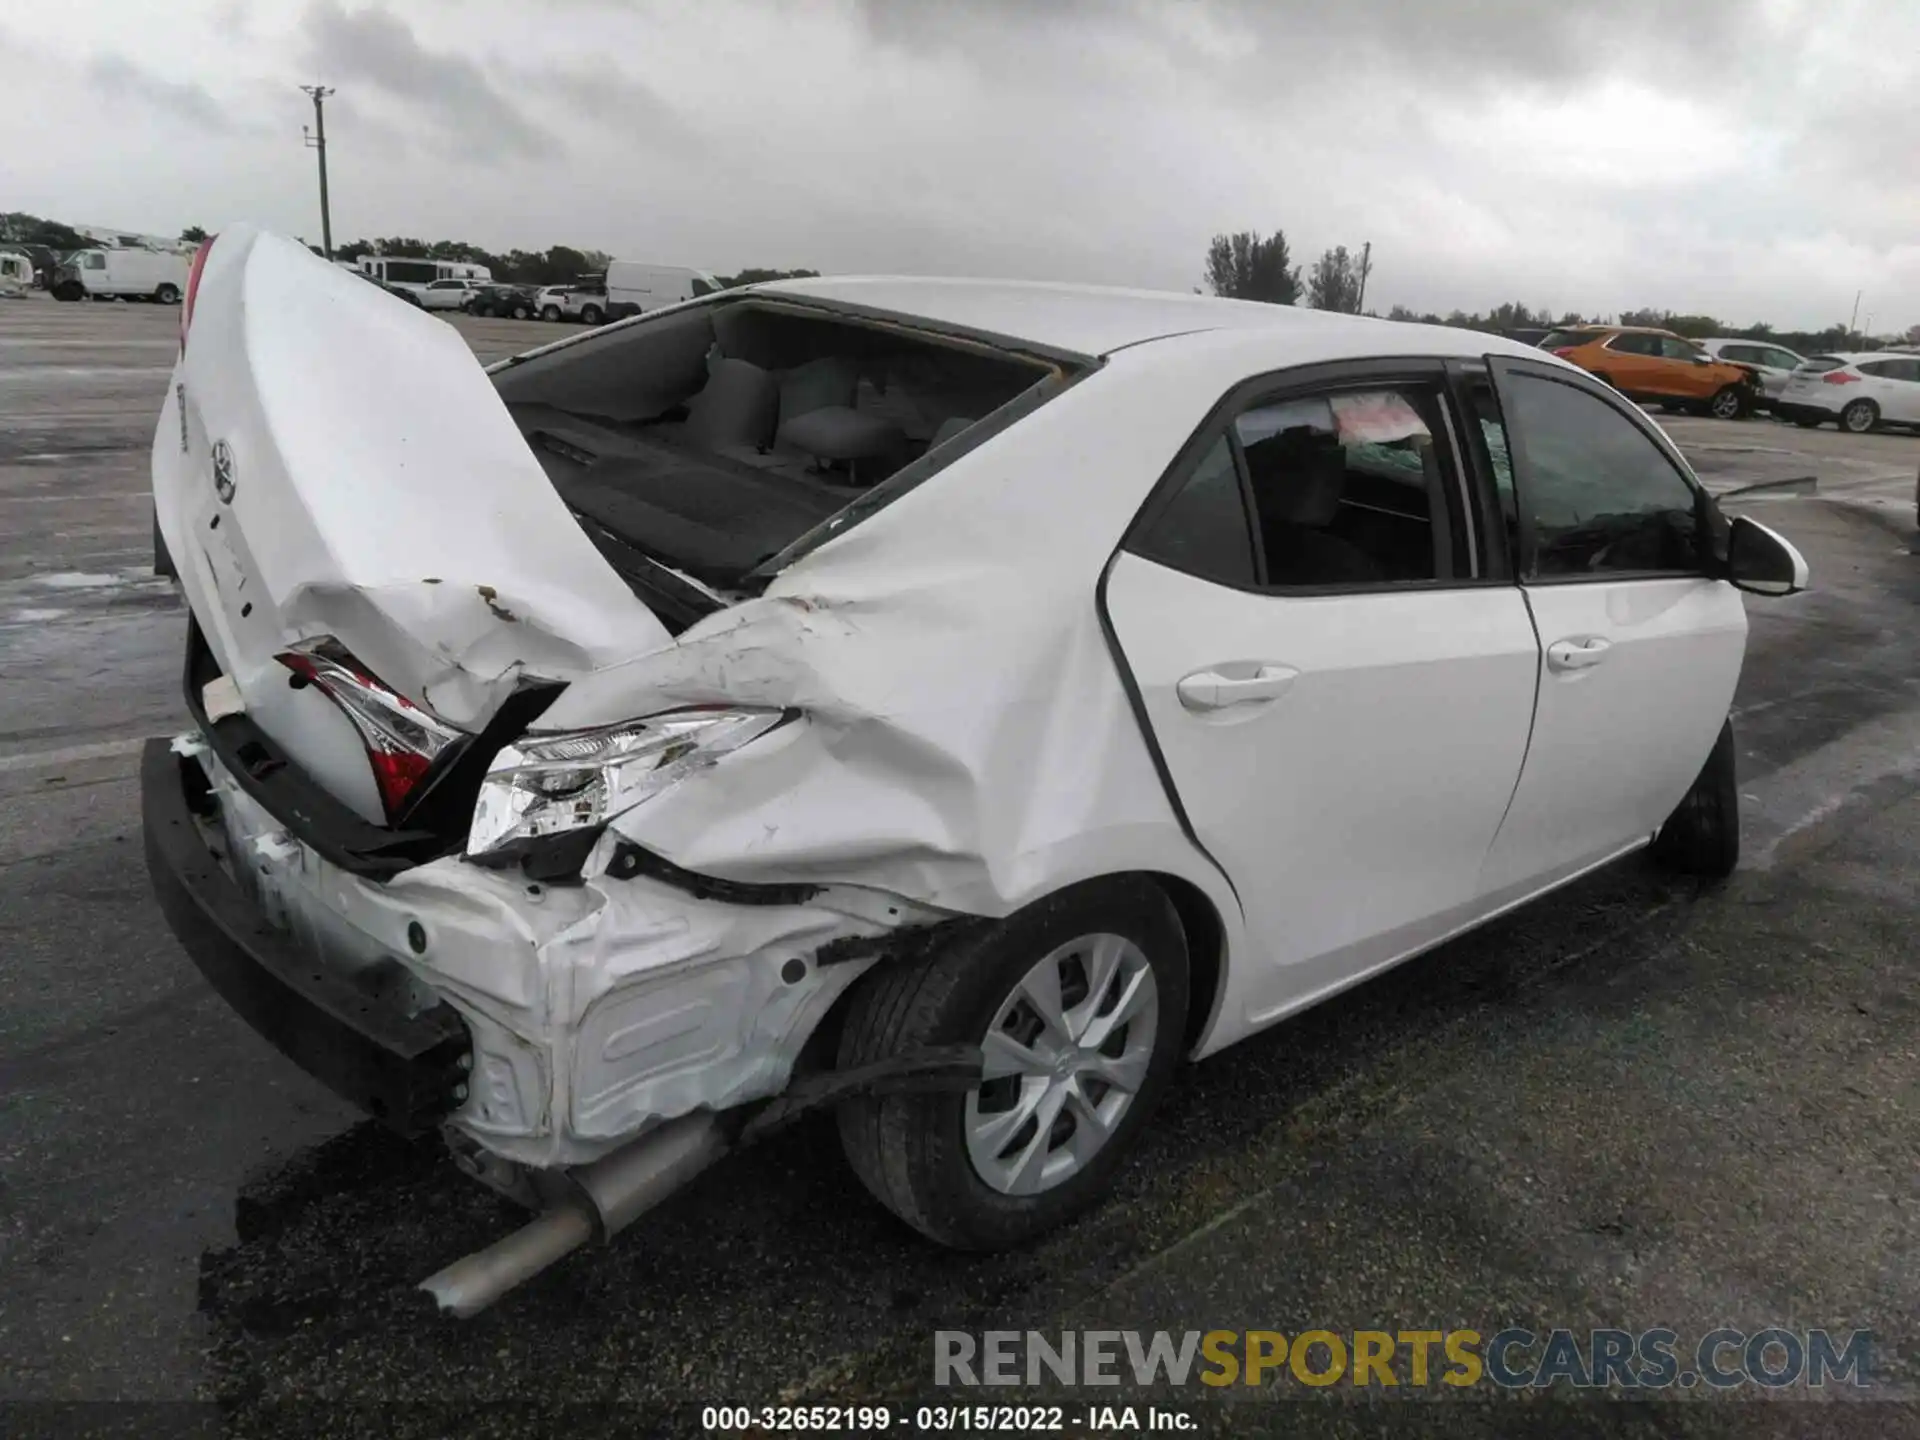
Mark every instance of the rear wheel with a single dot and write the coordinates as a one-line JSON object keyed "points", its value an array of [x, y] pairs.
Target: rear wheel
{"points": [[521, 312], [1727, 403], [1860, 417], [167, 295], [1079, 1004], [1702, 836]]}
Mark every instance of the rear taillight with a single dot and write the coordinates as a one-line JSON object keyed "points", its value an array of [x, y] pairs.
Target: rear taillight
{"points": [[193, 288], [1563, 351], [1838, 377], [401, 739]]}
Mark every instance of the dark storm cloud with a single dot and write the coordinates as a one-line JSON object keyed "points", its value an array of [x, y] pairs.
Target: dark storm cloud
{"points": [[1272, 46], [118, 78], [378, 48]]}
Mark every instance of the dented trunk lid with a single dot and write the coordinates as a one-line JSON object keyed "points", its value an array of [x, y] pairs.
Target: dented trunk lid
{"points": [[333, 462]]}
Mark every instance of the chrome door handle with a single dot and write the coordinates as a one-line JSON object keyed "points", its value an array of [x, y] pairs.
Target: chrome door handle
{"points": [[1581, 654], [1214, 690]]}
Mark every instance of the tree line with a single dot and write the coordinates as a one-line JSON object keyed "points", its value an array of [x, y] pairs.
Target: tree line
{"points": [[1247, 265]]}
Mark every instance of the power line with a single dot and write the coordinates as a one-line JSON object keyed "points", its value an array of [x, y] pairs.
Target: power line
{"points": [[316, 139]]}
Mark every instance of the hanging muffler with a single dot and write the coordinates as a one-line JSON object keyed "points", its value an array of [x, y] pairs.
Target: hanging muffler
{"points": [[598, 1201]]}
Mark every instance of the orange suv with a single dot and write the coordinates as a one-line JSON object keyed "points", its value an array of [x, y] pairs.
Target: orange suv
{"points": [[1658, 366]]}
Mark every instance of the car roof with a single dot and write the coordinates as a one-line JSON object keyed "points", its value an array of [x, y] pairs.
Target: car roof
{"points": [[1084, 319]]}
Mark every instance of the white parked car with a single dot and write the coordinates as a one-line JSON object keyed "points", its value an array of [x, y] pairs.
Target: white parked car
{"points": [[953, 702], [447, 294], [553, 302], [1856, 392], [1774, 364]]}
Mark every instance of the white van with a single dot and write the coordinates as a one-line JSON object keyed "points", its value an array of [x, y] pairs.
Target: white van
{"points": [[129, 274], [634, 287]]}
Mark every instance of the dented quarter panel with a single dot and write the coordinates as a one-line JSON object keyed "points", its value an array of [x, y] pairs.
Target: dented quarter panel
{"points": [[964, 735]]}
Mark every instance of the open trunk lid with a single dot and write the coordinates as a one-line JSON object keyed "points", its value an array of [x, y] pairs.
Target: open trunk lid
{"points": [[333, 463]]}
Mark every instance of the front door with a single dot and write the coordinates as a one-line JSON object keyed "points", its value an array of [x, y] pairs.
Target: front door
{"points": [[1339, 693], [1640, 648]]}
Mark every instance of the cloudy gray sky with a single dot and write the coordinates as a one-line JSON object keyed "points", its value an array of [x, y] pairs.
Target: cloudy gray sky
{"points": [[1754, 159]]}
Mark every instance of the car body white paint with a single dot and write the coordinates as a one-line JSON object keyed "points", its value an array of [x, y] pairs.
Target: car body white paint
{"points": [[966, 742]]}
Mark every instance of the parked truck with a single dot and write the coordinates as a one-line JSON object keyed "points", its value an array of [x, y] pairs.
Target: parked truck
{"points": [[106, 274]]}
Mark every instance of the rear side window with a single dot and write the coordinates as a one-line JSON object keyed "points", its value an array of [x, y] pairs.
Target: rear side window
{"points": [[1781, 359], [1565, 339], [1343, 489], [1677, 349], [1599, 496]]}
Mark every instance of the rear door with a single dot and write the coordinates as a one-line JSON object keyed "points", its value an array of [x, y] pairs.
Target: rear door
{"points": [[1337, 678], [1632, 364], [1641, 649], [1894, 385]]}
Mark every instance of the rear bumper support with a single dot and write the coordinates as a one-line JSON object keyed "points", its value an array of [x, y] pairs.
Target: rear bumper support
{"points": [[407, 1070]]}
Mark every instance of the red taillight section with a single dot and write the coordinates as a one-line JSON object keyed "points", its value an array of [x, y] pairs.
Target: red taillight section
{"points": [[1838, 377], [401, 739], [1563, 351], [193, 288], [397, 773]]}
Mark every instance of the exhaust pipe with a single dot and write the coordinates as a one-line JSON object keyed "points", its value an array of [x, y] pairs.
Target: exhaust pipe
{"points": [[607, 1196]]}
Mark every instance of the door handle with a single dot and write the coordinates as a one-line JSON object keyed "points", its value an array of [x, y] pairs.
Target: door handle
{"points": [[1216, 690], [1581, 654]]}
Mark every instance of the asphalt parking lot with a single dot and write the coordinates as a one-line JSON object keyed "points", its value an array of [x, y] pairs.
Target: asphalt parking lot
{"points": [[1638, 1104]]}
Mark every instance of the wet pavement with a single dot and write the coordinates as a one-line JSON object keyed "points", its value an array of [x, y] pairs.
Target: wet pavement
{"points": [[1637, 1104]]}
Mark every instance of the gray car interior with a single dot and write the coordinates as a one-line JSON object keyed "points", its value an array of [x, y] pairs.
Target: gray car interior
{"points": [[709, 439]]}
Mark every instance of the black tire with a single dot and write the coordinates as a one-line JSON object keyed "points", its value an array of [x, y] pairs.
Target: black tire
{"points": [[550, 312], [1702, 836], [910, 1150], [69, 290], [1727, 403], [167, 295], [1860, 417], [591, 314], [523, 312]]}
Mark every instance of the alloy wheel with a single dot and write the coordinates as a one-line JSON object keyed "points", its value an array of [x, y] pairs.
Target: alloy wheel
{"points": [[1065, 1055]]}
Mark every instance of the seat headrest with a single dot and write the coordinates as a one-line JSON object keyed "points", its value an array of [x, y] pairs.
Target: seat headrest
{"points": [[738, 405], [1297, 476]]}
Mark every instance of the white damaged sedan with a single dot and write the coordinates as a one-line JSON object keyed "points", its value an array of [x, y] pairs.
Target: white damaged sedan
{"points": [[954, 703]]}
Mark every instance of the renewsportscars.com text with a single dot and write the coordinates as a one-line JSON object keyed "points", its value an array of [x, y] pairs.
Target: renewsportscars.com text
{"points": [[1510, 1359]]}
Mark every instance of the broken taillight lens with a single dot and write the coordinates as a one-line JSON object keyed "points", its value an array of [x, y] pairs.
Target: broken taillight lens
{"points": [[402, 740], [1839, 377], [193, 289]]}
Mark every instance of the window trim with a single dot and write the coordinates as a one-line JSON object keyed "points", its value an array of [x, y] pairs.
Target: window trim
{"points": [[1521, 459], [1295, 382]]}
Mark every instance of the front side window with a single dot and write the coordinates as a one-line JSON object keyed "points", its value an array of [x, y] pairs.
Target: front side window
{"points": [[1599, 495], [1339, 489], [96, 261], [1674, 348]]}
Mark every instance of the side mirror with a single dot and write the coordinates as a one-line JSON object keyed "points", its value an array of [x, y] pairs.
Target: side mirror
{"points": [[1762, 562]]}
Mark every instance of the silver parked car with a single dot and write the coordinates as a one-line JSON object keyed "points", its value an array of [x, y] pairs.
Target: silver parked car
{"points": [[1771, 363]]}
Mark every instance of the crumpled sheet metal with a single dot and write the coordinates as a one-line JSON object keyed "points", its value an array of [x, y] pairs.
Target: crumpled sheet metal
{"points": [[421, 522], [965, 739]]}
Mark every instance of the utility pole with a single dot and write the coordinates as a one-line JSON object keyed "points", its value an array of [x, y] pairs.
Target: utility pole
{"points": [[316, 139], [1851, 331], [1366, 264]]}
